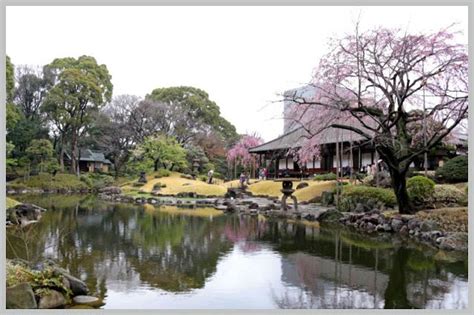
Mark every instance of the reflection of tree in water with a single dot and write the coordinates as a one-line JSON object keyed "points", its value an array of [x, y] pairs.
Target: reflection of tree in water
{"points": [[104, 242], [338, 269], [107, 244], [177, 253], [245, 231]]}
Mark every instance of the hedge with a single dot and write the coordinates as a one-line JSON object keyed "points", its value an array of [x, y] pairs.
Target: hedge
{"points": [[328, 176], [454, 170], [352, 195], [420, 189]]}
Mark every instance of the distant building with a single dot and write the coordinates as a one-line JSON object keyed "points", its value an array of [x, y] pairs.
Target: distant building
{"points": [[90, 161]]}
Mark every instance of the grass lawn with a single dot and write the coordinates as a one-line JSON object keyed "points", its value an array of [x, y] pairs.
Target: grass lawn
{"points": [[48, 181], [175, 184], [12, 202], [272, 188]]}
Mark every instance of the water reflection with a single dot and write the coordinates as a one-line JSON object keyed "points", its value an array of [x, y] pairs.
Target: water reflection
{"points": [[142, 257]]}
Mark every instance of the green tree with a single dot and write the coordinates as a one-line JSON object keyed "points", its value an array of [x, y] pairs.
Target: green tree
{"points": [[30, 91], [10, 77], [80, 87], [11, 161], [196, 155], [12, 114], [161, 150], [22, 131], [40, 153], [194, 113]]}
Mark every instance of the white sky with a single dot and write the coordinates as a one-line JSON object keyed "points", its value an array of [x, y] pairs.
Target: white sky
{"points": [[241, 56]]}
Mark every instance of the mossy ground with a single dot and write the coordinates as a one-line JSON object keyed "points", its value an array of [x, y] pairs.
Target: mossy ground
{"points": [[448, 219], [48, 181]]}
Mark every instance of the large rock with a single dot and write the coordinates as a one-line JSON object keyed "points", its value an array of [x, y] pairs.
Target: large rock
{"points": [[396, 224], [302, 185], [20, 296], [331, 215], [78, 287], [112, 190], [428, 225], [413, 224], [454, 241], [86, 300], [23, 213], [54, 299]]}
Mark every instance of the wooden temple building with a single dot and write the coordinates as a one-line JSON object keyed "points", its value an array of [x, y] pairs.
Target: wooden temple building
{"points": [[355, 152]]}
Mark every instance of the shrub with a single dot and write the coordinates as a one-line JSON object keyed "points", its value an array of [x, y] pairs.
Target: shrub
{"points": [[327, 176], [40, 281], [420, 189], [48, 181], [352, 195], [448, 194], [217, 175], [137, 184], [368, 180], [85, 179], [454, 170], [162, 173], [98, 180], [202, 178]]}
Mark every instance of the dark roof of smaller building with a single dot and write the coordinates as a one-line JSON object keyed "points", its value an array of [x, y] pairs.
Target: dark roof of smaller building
{"points": [[88, 155]]}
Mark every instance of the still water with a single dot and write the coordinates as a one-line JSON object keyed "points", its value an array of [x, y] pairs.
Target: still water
{"points": [[135, 257]]}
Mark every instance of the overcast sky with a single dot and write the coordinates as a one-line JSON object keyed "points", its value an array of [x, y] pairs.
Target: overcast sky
{"points": [[242, 56]]}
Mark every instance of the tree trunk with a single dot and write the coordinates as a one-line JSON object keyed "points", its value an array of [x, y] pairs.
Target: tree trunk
{"points": [[116, 169], [74, 161], [396, 292], [399, 184], [156, 165], [61, 155]]}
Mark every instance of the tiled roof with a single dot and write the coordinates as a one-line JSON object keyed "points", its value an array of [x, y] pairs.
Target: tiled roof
{"points": [[295, 138], [88, 155]]}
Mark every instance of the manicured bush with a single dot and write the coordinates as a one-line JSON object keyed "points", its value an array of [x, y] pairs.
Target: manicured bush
{"points": [[352, 195], [420, 189], [98, 180], [162, 173], [454, 170], [448, 194], [327, 176], [202, 178]]}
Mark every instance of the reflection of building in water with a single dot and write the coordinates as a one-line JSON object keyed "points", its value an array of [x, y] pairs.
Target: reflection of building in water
{"points": [[328, 280]]}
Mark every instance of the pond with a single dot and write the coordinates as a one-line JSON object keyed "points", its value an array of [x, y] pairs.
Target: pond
{"points": [[135, 256]]}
